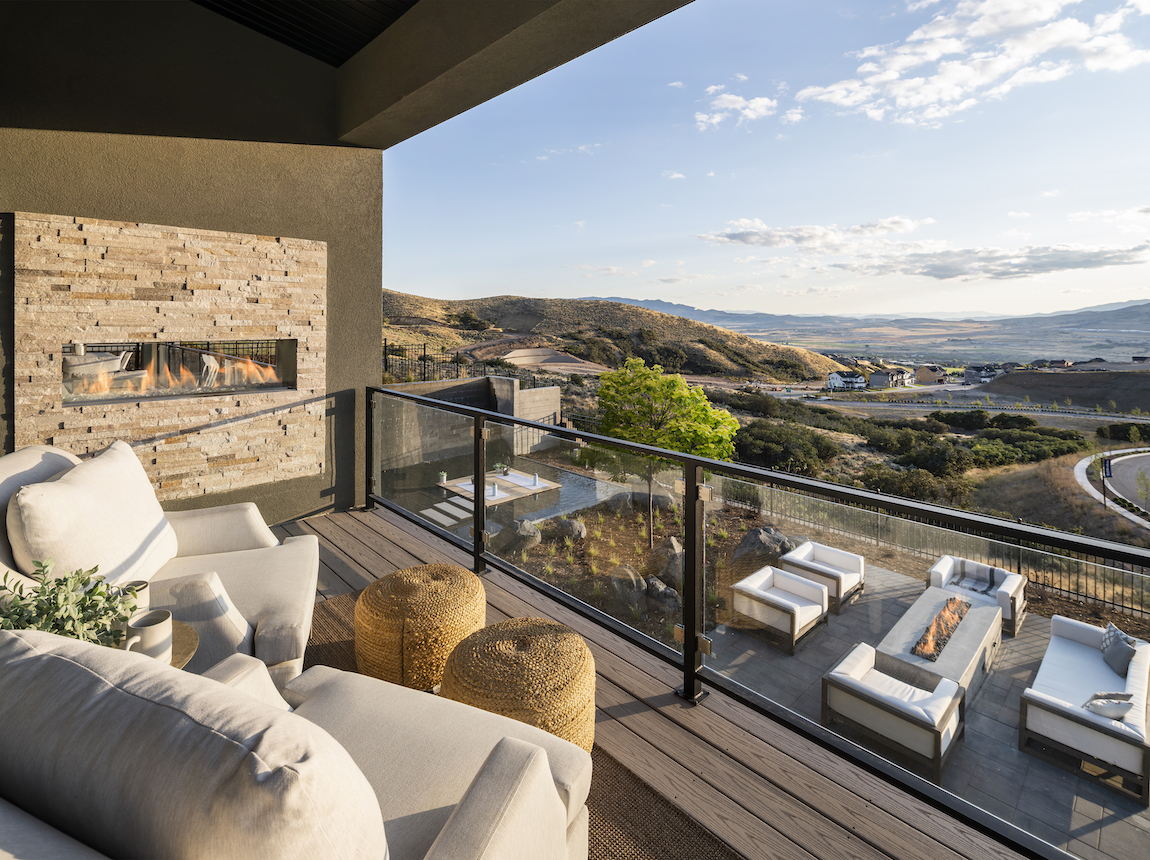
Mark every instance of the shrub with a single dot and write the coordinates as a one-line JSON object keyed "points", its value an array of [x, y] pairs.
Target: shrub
{"points": [[1007, 421], [786, 447], [974, 419]]}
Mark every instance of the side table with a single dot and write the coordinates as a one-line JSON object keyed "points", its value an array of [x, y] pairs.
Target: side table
{"points": [[185, 641]]}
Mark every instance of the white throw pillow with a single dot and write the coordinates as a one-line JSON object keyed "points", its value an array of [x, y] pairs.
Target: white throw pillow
{"points": [[102, 512], [1113, 709]]}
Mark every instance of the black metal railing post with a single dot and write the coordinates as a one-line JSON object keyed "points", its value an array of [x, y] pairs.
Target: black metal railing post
{"points": [[479, 490], [693, 583], [369, 453]]}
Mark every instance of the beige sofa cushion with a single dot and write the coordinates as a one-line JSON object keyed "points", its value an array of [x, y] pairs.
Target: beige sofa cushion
{"points": [[137, 759], [102, 512], [29, 465]]}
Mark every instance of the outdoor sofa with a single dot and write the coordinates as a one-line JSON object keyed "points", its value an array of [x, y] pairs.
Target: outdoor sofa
{"points": [[985, 584], [842, 572], [1055, 725], [901, 706], [109, 753], [219, 569]]}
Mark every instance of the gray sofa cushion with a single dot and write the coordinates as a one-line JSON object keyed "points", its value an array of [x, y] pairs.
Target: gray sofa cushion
{"points": [[136, 759], [102, 512]]}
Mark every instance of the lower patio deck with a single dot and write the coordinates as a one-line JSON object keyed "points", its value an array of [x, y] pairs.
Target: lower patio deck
{"points": [[755, 783]]}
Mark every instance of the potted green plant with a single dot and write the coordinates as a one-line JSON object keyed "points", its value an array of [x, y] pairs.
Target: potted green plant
{"points": [[80, 605], [501, 468]]}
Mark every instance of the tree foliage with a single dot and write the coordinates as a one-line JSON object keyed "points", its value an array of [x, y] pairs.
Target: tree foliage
{"points": [[786, 447], [640, 404]]}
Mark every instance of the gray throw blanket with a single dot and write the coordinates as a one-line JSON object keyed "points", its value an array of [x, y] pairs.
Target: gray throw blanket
{"points": [[979, 578]]}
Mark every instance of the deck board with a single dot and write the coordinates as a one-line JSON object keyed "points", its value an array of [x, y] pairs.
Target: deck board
{"points": [[753, 782]]}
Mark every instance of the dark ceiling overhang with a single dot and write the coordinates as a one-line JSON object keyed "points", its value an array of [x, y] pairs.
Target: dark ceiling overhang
{"points": [[331, 31]]}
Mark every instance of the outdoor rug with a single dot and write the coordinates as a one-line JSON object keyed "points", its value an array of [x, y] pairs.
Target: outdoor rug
{"points": [[628, 820]]}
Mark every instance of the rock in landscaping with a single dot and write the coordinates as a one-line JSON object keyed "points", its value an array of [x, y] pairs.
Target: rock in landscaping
{"points": [[523, 537], [666, 562], [760, 547], [571, 528], [660, 598], [620, 503], [628, 588], [662, 498]]}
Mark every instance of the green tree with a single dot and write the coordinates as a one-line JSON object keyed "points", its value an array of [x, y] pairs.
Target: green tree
{"points": [[640, 404], [1143, 481], [1134, 436]]}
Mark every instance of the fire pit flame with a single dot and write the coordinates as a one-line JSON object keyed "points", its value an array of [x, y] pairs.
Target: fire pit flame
{"points": [[939, 631]]}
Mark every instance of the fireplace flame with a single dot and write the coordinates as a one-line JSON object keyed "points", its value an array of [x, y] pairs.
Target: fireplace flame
{"points": [[218, 374], [934, 639]]}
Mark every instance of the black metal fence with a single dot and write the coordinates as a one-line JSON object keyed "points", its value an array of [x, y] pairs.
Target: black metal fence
{"points": [[418, 364]]}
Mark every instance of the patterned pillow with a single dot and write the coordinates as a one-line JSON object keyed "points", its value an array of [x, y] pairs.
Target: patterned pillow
{"points": [[1118, 649]]}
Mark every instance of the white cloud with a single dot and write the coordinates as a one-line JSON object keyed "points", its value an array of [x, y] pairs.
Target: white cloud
{"points": [[727, 104], [978, 50], [740, 77], [580, 224], [671, 174], [1053, 193], [745, 259], [716, 88], [541, 158], [702, 120], [864, 249], [589, 148], [647, 263], [1017, 214], [1136, 220], [677, 84], [792, 116], [710, 173], [597, 271], [583, 149]]}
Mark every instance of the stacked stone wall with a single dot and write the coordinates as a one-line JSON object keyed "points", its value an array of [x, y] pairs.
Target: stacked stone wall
{"points": [[94, 281]]}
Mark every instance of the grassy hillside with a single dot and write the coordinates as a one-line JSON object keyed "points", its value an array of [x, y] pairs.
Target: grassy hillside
{"points": [[609, 332]]}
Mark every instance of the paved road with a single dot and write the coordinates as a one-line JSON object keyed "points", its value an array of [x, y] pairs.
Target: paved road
{"points": [[1125, 477]]}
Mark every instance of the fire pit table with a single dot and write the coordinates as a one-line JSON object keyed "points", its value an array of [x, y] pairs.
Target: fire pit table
{"points": [[968, 654]]}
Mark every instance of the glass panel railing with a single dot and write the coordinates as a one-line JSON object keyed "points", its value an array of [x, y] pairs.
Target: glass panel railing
{"points": [[422, 459], [576, 517]]}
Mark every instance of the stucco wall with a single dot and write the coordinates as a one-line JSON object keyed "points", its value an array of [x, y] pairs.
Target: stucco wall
{"points": [[327, 194]]}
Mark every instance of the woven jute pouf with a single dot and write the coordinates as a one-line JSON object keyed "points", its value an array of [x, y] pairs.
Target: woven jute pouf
{"points": [[407, 623], [534, 670]]}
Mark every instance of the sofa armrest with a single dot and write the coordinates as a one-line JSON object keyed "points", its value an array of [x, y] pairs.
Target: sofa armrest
{"points": [[942, 571], [511, 811], [226, 528], [24, 835], [849, 561], [248, 675]]}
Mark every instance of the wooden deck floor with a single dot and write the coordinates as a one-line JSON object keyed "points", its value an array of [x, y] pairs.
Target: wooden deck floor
{"points": [[761, 787]]}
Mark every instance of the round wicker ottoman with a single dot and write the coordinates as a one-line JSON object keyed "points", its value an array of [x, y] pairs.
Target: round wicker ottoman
{"points": [[536, 671], [407, 623]]}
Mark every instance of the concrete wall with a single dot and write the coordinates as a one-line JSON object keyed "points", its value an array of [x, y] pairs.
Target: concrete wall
{"points": [[327, 194]]}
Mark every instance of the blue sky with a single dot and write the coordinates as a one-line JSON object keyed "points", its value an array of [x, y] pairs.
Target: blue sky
{"points": [[815, 157]]}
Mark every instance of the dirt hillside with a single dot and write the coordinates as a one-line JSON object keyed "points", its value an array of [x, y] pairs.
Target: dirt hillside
{"points": [[608, 332], [1126, 389]]}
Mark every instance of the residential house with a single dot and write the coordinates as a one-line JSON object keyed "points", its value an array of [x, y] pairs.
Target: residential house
{"points": [[846, 380], [929, 374], [891, 377], [979, 373]]}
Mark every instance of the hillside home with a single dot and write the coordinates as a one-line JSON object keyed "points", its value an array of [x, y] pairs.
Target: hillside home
{"points": [[929, 374], [891, 377], [846, 380], [979, 373]]}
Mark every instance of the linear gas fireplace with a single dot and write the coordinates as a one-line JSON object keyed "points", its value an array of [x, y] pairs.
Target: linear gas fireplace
{"points": [[101, 373]]}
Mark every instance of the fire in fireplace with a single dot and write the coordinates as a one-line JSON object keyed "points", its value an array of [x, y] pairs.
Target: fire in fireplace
{"points": [[940, 630], [98, 373]]}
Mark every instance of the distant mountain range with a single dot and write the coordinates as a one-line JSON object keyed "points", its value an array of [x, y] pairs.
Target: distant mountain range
{"points": [[1115, 332], [743, 319]]}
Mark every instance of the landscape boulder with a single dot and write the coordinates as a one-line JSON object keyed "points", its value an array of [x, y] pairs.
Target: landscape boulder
{"points": [[523, 537], [666, 562], [620, 503], [628, 589], [661, 598], [662, 500], [571, 528], [761, 547]]}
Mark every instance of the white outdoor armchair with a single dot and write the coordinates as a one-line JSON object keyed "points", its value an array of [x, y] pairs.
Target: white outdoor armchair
{"points": [[791, 608], [982, 583], [843, 573]]}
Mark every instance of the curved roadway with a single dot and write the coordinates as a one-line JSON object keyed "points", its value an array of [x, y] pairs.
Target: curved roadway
{"points": [[1125, 477]]}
